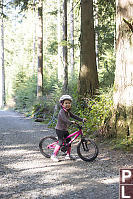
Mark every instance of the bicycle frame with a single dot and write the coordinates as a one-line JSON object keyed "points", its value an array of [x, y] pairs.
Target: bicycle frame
{"points": [[77, 133]]}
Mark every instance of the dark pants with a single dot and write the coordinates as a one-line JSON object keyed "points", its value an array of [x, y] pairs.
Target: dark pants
{"points": [[61, 135]]}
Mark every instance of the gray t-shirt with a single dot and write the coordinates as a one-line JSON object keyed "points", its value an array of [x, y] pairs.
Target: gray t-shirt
{"points": [[64, 120]]}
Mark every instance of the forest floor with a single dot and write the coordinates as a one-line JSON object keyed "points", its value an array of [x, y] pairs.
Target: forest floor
{"points": [[26, 174]]}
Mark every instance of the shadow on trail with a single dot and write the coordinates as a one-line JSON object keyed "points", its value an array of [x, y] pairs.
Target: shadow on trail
{"points": [[25, 173], [29, 175]]}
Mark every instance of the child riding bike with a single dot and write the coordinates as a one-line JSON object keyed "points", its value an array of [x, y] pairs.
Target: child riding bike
{"points": [[62, 126]]}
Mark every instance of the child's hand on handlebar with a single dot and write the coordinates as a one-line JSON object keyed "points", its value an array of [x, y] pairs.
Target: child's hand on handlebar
{"points": [[84, 120], [73, 122]]}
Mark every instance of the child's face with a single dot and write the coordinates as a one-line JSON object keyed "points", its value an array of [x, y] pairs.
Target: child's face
{"points": [[67, 104]]}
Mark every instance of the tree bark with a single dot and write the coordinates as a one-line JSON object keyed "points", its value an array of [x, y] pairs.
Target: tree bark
{"points": [[123, 87], [40, 50], [88, 77], [65, 64], [96, 32], [72, 37], [60, 73], [34, 38]]}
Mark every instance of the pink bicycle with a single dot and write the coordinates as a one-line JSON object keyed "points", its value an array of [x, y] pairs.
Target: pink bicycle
{"points": [[87, 149]]}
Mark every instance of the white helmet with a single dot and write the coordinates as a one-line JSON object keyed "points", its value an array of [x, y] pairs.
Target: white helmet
{"points": [[65, 97]]}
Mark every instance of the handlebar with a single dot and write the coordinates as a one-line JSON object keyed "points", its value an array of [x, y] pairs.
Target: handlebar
{"points": [[79, 126]]}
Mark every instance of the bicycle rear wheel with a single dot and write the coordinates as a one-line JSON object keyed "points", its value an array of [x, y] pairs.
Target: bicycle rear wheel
{"points": [[47, 145], [87, 150]]}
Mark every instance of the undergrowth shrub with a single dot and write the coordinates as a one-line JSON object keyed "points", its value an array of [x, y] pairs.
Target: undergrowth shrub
{"points": [[46, 106], [106, 69], [24, 91], [125, 144], [25, 94], [97, 110]]}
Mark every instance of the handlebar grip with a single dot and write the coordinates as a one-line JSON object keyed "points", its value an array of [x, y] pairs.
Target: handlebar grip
{"points": [[79, 126], [76, 124]]}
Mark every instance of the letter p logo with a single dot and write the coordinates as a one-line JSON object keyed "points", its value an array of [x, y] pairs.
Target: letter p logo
{"points": [[125, 175], [126, 183]]}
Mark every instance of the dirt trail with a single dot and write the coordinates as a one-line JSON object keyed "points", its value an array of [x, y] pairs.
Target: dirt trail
{"points": [[26, 174]]}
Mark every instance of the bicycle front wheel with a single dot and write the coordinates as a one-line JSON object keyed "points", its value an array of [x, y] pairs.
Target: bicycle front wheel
{"points": [[47, 145], [87, 150]]}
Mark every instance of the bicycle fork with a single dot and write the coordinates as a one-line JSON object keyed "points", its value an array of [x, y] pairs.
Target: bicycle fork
{"points": [[84, 145]]}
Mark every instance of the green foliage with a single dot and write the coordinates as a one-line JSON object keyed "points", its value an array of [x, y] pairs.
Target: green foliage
{"points": [[125, 144], [106, 70], [23, 4], [24, 91], [105, 12], [52, 87], [52, 48], [73, 87], [42, 110], [97, 111]]}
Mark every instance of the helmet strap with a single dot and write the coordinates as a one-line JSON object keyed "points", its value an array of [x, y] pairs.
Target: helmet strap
{"points": [[64, 108]]}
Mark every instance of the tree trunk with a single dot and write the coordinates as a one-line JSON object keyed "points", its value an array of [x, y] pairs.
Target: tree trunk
{"points": [[88, 77], [34, 38], [123, 87], [60, 72], [40, 50], [72, 37], [65, 65], [2, 94], [96, 32]]}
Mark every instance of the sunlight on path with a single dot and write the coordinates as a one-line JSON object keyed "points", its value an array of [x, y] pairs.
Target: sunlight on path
{"points": [[26, 174]]}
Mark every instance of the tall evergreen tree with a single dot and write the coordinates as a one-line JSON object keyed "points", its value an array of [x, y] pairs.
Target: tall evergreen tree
{"points": [[60, 73], [72, 36], [88, 77], [65, 64], [40, 50], [123, 87], [34, 37]]}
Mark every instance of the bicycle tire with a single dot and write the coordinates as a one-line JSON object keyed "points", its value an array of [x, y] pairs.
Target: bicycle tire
{"points": [[87, 150], [44, 142]]}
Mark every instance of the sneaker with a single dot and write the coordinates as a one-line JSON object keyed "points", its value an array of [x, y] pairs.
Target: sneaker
{"points": [[70, 157], [54, 158]]}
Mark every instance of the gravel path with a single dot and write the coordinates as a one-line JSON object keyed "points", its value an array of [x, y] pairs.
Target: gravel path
{"points": [[26, 174]]}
